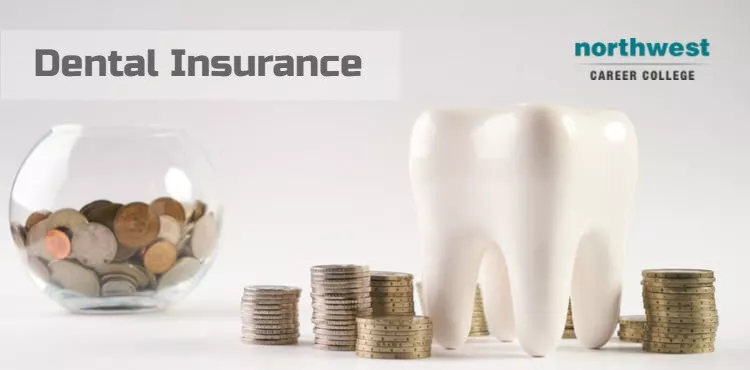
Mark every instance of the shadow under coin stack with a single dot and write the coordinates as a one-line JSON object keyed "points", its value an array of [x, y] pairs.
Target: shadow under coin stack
{"points": [[270, 315], [479, 326], [569, 331], [392, 293], [109, 249], [632, 328], [681, 314], [394, 337], [340, 294]]}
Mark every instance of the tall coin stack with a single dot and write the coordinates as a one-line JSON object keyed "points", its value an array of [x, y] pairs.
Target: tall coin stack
{"points": [[479, 326], [569, 331], [681, 314], [340, 294], [632, 328], [270, 315], [394, 337], [392, 293]]}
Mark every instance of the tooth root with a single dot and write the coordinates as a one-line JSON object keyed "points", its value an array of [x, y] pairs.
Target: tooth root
{"points": [[540, 272], [596, 289], [449, 283], [498, 303]]}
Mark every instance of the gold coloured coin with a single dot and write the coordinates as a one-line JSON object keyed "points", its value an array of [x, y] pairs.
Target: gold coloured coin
{"points": [[136, 226], [633, 319], [381, 344], [169, 207], [160, 257], [671, 329], [402, 284], [677, 273], [678, 297], [679, 290], [394, 338], [696, 308], [681, 336], [415, 320], [679, 282], [394, 356], [696, 341], [684, 315], [367, 348], [677, 345], [390, 276], [686, 321]]}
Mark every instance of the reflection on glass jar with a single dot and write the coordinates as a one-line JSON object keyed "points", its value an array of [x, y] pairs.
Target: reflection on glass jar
{"points": [[115, 219]]}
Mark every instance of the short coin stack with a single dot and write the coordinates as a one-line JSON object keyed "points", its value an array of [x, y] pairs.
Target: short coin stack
{"points": [[569, 331], [681, 314], [394, 337], [632, 328], [270, 315], [392, 293], [340, 294], [479, 326]]}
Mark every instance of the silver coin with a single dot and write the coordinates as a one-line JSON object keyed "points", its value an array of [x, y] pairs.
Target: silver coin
{"points": [[93, 244], [117, 276], [35, 239], [18, 232], [67, 218], [184, 269], [204, 237], [39, 268], [117, 288], [170, 229], [74, 277], [184, 243], [140, 275]]}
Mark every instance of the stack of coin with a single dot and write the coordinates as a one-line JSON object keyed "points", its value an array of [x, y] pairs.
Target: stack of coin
{"points": [[479, 326], [112, 249], [270, 315], [632, 328], [394, 337], [569, 331], [392, 293], [340, 294], [681, 314]]}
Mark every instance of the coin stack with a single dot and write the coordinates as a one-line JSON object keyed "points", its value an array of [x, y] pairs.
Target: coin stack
{"points": [[392, 293], [681, 314], [394, 337], [270, 315], [569, 331], [479, 326], [110, 249], [340, 294], [632, 328]]}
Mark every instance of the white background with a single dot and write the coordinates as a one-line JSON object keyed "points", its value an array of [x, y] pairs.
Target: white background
{"points": [[308, 183]]}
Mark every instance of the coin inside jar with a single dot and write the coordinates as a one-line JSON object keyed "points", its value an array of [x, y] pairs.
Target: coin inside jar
{"points": [[160, 257], [170, 207], [204, 237], [94, 204], [136, 225], [57, 244], [67, 218], [35, 217], [74, 277], [94, 244], [18, 232], [103, 213], [170, 229]]}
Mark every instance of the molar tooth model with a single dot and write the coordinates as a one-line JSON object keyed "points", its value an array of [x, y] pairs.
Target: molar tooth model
{"points": [[533, 203]]}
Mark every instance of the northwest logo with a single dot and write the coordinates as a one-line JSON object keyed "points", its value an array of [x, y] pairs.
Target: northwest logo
{"points": [[634, 48]]}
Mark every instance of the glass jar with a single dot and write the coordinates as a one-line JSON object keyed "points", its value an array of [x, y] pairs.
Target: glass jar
{"points": [[115, 218]]}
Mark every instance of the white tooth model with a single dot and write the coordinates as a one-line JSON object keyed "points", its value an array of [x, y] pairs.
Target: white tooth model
{"points": [[536, 198]]}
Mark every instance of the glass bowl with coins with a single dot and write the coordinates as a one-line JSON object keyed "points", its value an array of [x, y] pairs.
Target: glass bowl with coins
{"points": [[115, 218]]}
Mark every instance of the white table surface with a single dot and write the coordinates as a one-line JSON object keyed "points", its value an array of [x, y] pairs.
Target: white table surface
{"points": [[205, 335]]}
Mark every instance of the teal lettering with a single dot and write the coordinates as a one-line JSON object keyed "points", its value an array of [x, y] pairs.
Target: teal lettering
{"points": [[657, 49], [676, 49]]}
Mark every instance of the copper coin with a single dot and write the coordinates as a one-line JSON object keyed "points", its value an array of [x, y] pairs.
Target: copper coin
{"points": [[94, 204], [136, 225], [170, 207], [170, 229], [35, 217], [103, 213], [67, 218], [94, 244], [204, 237], [160, 257], [57, 244]]}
